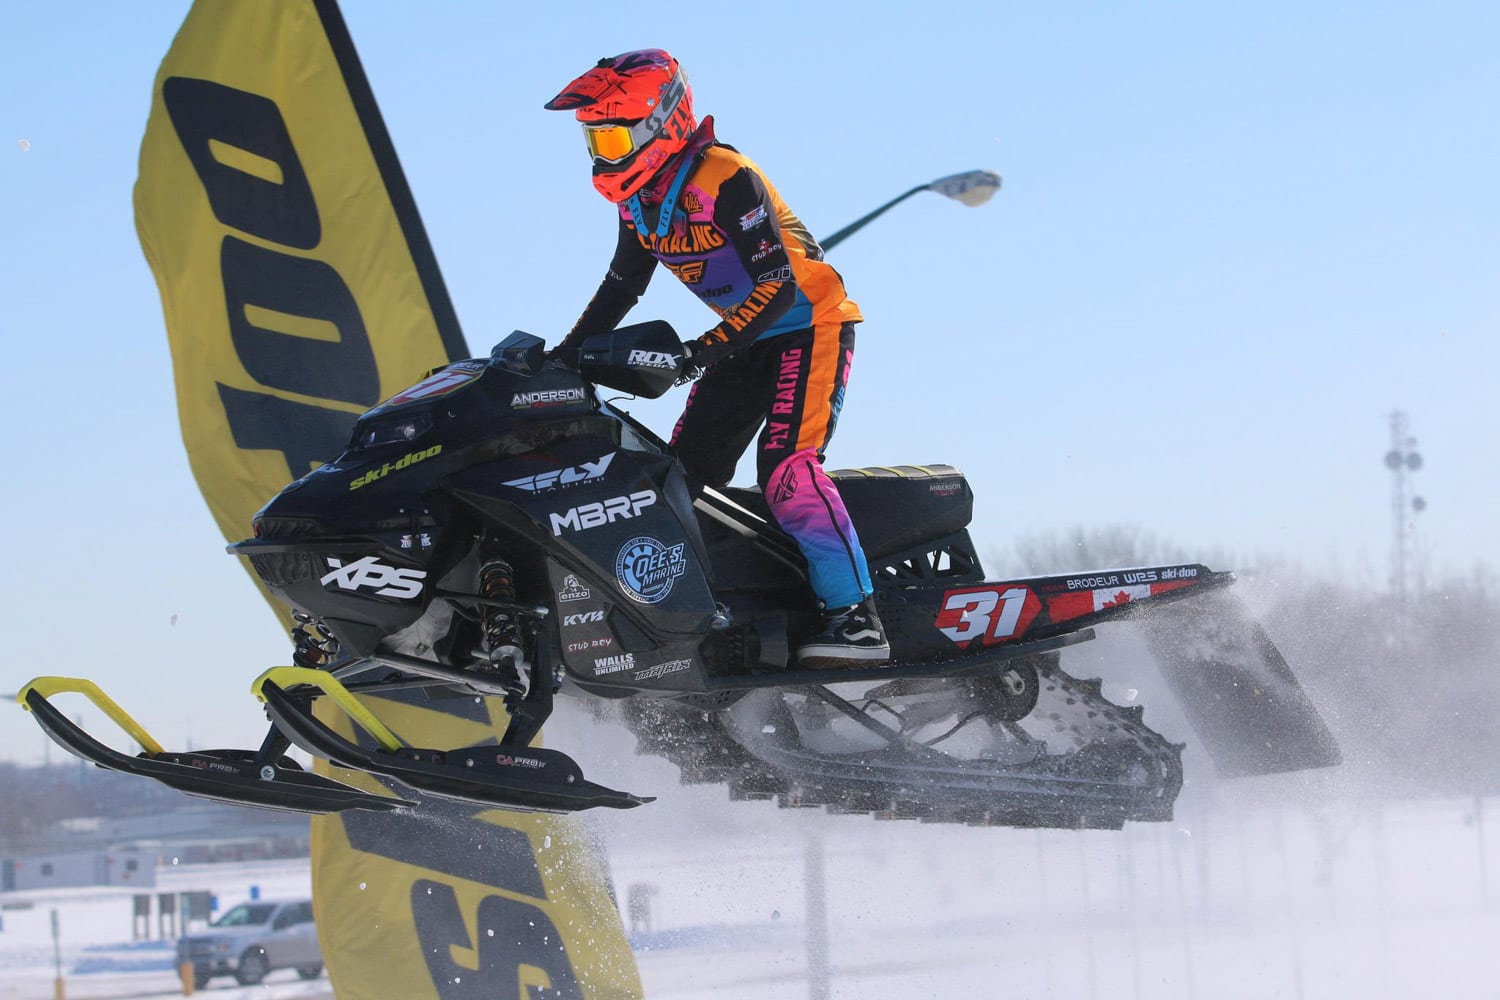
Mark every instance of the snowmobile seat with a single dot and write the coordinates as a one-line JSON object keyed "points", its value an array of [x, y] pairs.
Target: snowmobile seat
{"points": [[894, 508], [897, 507]]}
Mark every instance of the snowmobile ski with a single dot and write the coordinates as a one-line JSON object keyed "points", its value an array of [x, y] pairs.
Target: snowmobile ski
{"points": [[262, 778], [516, 777]]}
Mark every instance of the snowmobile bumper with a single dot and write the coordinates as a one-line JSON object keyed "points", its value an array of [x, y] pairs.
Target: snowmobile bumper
{"points": [[239, 777], [516, 777]]}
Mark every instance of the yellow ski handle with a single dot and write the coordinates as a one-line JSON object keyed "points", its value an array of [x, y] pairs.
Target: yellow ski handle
{"points": [[46, 687], [284, 677]]}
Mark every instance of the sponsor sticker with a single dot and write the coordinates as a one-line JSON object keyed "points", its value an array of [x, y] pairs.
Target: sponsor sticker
{"points": [[646, 569], [613, 664], [1092, 582], [544, 398], [404, 462], [572, 590], [662, 669], [764, 249], [509, 760], [651, 359], [370, 572], [543, 482], [592, 515], [753, 218]]}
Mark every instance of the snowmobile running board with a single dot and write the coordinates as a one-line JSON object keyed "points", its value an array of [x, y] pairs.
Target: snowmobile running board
{"points": [[509, 777], [239, 777], [994, 660]]}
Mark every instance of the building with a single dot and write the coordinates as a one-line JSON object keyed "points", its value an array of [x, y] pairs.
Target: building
{"points": [[131, 864], [126, 850]]}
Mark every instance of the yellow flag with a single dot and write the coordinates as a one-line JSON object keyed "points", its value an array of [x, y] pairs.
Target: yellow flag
{"points": [[299, 289]]}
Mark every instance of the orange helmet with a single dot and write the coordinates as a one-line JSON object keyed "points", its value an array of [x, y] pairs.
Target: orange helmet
{"points": [[637, 113]]}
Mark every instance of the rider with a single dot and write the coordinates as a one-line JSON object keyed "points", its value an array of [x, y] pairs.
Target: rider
{"points": [[777, 361]]}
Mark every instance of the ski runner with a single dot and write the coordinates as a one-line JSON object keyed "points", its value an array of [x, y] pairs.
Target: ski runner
{"points": [[777, 361]]}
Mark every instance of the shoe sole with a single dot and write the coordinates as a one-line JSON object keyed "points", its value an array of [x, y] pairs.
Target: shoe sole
{"points": [[829, 657]]}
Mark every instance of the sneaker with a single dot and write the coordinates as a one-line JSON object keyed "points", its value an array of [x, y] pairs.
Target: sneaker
{"points": [[849, 637]]}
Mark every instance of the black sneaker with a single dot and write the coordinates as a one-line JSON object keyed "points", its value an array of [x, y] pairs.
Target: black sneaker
{"points": [[849, 637]]}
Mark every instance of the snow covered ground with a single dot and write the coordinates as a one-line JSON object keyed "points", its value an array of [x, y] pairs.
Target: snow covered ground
{"points": [[1249, 893], [1336, 901], [100, 959]]}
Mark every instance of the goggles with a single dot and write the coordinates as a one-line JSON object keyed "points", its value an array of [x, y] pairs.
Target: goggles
{"points": [[612, 142]]}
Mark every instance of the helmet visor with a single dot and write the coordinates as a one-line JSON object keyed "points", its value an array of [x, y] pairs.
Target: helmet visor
{"points": [[609, 142]]}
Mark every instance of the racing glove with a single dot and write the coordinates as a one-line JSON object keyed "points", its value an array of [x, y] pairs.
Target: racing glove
{"points": [[691, 369], [565, 355]]}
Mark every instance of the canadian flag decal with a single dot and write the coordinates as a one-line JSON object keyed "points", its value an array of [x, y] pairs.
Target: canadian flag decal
{"points": [[1114, 597]]}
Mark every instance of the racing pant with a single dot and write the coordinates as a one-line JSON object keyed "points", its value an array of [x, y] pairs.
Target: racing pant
{"points": [[790, 387]]}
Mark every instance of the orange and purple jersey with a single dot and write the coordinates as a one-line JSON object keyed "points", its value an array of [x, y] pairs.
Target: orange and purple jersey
{"points": [[734, 243], [714, 220]]}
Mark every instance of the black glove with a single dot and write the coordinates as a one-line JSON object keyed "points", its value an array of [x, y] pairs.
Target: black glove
{"points": [[691, 370], [565, 355]]}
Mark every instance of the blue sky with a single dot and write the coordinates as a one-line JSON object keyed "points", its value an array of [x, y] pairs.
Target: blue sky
{"points": [[1232, 238]]}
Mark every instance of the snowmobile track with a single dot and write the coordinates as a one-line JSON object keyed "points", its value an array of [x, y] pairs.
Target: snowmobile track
{"points": [[1083, 787]]}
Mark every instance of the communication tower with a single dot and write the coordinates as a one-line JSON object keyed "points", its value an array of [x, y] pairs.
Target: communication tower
{"points": [[1403, 460]]}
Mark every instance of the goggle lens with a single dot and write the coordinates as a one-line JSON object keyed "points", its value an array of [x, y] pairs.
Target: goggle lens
{"points": [[610, 143]]}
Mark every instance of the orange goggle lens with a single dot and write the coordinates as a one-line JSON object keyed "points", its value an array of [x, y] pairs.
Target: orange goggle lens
{"points": [[610, 143]]}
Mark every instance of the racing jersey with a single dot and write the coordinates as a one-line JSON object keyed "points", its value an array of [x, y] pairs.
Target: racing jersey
{"points": [[733, 242]]}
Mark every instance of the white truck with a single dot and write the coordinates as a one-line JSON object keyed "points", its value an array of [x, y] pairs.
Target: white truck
{"points": [[255, 938]]}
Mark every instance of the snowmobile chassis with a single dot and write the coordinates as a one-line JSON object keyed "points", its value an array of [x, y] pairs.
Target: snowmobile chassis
{"points": [[561, 542]]}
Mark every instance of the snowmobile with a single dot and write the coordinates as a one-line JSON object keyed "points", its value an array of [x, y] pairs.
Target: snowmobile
{"points": [[502, 529]]}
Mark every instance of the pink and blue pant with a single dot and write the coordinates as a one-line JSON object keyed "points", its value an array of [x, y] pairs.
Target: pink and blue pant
{"points": [[789, 387]]}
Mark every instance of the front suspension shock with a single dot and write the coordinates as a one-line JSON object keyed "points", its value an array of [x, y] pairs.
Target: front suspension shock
{"points": [[313, 645], [502, 635]]}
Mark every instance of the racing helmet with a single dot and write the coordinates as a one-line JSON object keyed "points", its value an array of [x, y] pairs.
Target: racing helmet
{"points": [[636, 109]]}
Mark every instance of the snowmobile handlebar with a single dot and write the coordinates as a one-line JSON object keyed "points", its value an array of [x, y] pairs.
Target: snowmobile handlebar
{"points": [[644, 359]]}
